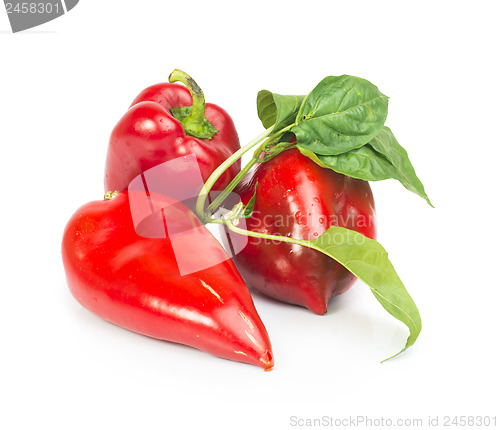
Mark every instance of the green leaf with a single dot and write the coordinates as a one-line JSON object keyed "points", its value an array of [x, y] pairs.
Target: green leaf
{"points": [[275, 109], [206, 129], [342, 113], [368, 261], [240, 210], [247, 213], [382, 158], [385, 143], [361, 163]]}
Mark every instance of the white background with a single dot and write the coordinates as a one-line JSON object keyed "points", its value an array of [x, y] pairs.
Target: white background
{"points": [[65, 84]]}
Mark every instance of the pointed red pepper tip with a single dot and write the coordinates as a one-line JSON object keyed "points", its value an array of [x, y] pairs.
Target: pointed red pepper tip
{"points": [[267, 361]]}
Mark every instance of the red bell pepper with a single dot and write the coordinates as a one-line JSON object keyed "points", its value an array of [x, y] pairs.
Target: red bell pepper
{"points": [[311, 228], [295, 197], [135, 281], [168, 121]]}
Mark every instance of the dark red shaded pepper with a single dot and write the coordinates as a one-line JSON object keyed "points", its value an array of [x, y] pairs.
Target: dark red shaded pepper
{"points": [[295, 197], [135, 281], [156, 129]]}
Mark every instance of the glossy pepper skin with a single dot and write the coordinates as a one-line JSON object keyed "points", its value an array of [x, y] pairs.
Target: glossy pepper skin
{"points": [[297, 198], [134, 280], [148, 134]]}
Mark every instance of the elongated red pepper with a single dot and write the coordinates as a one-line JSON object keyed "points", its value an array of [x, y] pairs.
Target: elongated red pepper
{"points": [[135, 280], [167, 121], [297, 198]]}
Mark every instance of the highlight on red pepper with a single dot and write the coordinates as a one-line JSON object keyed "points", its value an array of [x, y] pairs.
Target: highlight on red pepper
{"points": [[310, 207], [134, 280], [167, 121]]}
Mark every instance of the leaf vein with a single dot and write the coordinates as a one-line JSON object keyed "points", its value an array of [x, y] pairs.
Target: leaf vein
{"points": [[347, 110], [396, 306]]}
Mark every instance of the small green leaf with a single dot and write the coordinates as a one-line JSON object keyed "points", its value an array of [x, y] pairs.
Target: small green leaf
{"points": [[368, 261], [342, 113], [385, 143], [247, 213], [382, 158], [206, 129], [275, 109]]}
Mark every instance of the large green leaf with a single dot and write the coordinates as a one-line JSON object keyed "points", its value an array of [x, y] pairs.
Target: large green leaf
{"points": [[275, 109], [342, 113], [382, 158], [368, 260], [385, 143], [361, 163]]}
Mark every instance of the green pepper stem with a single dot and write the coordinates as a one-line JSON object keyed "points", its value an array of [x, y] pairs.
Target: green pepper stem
{"points": [[255, 159], [194, 122], [207, 187], [265, 139], [230, 225], [232, 185]]}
